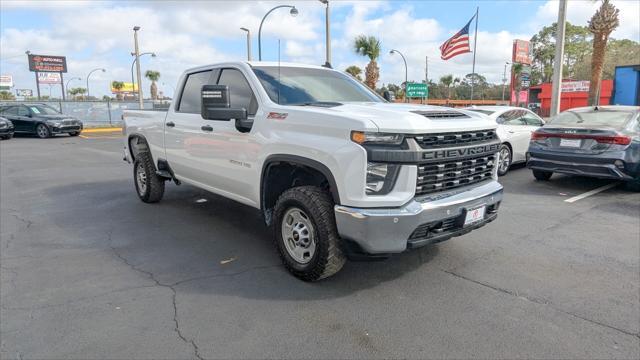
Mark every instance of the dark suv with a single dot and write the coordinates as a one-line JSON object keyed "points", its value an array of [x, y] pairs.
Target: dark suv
{"points": [[40, 119]]}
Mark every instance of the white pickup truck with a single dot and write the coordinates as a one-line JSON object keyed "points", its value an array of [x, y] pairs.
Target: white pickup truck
{"points": [[336, 170]]}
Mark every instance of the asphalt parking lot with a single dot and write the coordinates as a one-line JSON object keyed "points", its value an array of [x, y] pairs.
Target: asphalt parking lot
{"points": [[89, 271]]}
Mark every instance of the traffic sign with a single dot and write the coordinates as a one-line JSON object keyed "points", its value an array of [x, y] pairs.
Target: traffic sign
{"points": [[417, 90]]}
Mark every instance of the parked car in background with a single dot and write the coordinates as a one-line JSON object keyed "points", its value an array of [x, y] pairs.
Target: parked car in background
{"points": [[40, 119], [515, 125], [601, 142], [6, 128]]}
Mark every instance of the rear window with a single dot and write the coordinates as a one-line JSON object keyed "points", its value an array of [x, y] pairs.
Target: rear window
{"points": [[602, 117], [486, 112]]}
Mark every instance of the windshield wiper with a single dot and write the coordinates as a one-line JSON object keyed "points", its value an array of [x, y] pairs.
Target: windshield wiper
{"points": [[319, 103]]}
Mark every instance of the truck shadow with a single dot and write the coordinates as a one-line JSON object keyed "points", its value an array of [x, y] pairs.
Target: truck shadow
{"points": [[199, 242]]}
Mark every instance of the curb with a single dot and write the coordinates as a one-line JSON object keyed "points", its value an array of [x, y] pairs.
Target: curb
{"points": [[101, 130]]}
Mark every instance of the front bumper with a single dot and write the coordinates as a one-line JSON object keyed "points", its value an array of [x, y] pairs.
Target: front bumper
{"points": [[66, 129], [418, 223], [6, 131]]}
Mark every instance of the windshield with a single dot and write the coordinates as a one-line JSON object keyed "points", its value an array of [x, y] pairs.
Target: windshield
{"points": [[486, 112], [43, 110], [304, 86], [602, 117]]}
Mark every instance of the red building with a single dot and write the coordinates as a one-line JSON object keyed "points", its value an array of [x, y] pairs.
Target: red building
{"points": [[574, 94]]}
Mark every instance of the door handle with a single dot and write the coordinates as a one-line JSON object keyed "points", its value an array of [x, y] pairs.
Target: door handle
{"points": [[170, 124], [206, 128]]}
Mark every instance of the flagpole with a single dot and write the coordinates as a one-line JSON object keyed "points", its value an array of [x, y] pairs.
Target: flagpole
{"points": [[475, 43]]}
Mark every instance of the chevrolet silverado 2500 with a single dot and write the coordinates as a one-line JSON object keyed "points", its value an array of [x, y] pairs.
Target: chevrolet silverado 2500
{"points": [[335, 170]]}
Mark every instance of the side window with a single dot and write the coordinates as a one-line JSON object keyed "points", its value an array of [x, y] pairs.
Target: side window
{"points": [[23, 111], [532, 120], [10, 111], [511, 118], [191, 100], [240, 93]]}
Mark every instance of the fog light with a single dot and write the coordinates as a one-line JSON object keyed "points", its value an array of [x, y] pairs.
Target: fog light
{"points": [[619, 164]]}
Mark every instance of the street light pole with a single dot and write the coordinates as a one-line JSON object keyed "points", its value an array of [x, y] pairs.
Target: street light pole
{"points": [[91, 72], [504, 78], [406, 99], [139, 76], [327, 33], [293, 12], [68, 81], [133, 83], [248, 42], [556, 85]]}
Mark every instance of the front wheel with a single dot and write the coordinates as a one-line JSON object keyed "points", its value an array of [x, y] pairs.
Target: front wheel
{"points": [[74, 133], [305, 233], [42, 131], [542, 175], [149, 186], [504, 160]]}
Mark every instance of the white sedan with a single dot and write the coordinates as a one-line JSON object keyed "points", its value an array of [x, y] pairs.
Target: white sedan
{"points": [[515, 125]]}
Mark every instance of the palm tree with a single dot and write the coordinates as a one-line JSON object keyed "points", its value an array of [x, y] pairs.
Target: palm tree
{"points": [[118, 85], [447, 80], [456, 81], [517, 69], [77, 91], [6, 95], [354, 71], [369, 47], [603, 22], [153, 76]]}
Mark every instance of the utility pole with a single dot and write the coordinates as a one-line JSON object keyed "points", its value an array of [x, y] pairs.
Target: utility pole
{"points": [[327, 34], [137, 51], [426, 76], [556, 90], [504, 78], [248, 42]]}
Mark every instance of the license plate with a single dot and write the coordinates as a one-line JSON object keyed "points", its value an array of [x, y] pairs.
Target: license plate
{"points": [[574, 143], [474, 215]]}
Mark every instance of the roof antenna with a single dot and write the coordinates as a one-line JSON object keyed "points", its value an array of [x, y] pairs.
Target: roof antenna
{"points": [[279, 71]]}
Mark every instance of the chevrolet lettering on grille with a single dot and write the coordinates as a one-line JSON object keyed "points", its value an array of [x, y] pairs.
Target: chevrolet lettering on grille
{"points": [[458, 153]]}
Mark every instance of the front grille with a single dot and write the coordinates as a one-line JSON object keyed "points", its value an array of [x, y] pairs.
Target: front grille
{"points": [[438, 140], [452, 174]]}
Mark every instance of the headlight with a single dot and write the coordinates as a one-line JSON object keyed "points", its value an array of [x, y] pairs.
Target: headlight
{"points": [[54, 123], [376, 138], [3, 125], [380, 178]]}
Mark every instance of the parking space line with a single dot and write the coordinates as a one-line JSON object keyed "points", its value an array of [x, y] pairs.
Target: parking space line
{"points": [[592, 192]]}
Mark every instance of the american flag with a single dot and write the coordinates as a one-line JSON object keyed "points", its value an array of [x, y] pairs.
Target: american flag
{"points": [[457, 44]]}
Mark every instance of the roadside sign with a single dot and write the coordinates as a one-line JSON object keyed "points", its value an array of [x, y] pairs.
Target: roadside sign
{"points": [[6, 82], [417, 90], [24, 92], [49, 78], [126, 88], [47, 63]]}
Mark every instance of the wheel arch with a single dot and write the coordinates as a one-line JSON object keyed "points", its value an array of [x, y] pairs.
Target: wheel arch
{"points": [[136, 143], [283, 171]]}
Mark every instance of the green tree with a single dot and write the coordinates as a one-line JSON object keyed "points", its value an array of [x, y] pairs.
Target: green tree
{"points": [[153, 76], [446, 81], [354, 71], [6, 95], [76, 92], [602, 24], [517, 69], [369, 47], [118, 85]]}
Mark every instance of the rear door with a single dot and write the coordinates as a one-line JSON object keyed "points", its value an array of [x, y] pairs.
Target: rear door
{"points": [[518, 134], [183, 140]]}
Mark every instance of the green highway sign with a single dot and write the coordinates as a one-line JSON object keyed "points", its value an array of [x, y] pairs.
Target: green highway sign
{"points": [[416, 90]]}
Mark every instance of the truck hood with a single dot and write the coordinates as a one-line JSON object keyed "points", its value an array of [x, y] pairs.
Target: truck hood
{"points": [[414, 119]]}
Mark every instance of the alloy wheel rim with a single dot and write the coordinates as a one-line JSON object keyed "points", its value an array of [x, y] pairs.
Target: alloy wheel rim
{"points": [[298, 235], [504, 160], [42, 131], [141, 179]]}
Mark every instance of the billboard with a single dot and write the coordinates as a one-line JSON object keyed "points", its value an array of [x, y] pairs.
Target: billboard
{"points": [[47, 63], [6, 82], [521, 53], [24, 93], [127, 88], [49, 78], [575, 86]]}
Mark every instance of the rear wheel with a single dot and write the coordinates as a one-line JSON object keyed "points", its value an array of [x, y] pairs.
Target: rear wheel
{"points": [[305, 233], [42, 131], [504, 160], [542, 175], [149, 186]]}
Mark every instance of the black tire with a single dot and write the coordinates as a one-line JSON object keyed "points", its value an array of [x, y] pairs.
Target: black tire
{"points": [[633, 185], [42, 131], [328, 257], [503, 168], [74, 133], [542, 175], [151, 189]]}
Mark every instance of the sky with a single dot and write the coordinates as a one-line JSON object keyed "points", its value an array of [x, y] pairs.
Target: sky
{"points": [[184, 34]]}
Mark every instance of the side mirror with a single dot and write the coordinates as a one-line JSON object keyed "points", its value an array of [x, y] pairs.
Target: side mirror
{"points": [[216, 104]]}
